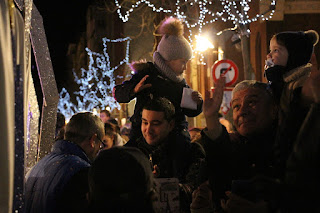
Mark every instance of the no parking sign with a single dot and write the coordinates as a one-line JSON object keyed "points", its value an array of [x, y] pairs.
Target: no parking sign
{"points": [[226, 67], [230, 70]]}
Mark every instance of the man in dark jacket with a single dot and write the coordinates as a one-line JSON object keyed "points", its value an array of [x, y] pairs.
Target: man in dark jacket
{"points": [[169, 158], [59, 181]]}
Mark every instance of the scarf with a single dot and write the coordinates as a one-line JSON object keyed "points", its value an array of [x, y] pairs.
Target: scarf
{"points": [[165, 70]]}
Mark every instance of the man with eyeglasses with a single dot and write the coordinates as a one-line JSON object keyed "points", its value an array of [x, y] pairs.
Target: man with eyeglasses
{"points": [[59, 181]]}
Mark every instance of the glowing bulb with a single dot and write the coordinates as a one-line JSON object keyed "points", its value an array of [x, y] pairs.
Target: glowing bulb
{"points": [[94, 111], [203, 44]]}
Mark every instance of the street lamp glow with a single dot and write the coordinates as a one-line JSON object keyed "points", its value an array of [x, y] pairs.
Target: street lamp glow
{"points": [[203, 44]]}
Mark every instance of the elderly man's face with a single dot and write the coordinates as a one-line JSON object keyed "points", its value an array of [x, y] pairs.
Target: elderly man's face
{"points": [[155, 128], [253, 111]]}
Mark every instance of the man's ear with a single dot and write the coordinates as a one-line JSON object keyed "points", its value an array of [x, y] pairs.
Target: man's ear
{"points": [[92, 140]]}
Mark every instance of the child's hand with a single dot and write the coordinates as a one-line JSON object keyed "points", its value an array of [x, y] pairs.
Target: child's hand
{"points": [[141, 86], [196, 97]]}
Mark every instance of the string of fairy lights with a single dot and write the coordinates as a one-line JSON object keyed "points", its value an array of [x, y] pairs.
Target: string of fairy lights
{"points": [[235, 11], [230, 9], [96, 83]]}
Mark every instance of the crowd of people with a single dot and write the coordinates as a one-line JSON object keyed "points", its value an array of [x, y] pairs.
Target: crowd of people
{"points": [[264, 160]]}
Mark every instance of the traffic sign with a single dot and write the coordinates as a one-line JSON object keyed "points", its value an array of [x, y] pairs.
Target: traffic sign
{"points": [[226, 67]]}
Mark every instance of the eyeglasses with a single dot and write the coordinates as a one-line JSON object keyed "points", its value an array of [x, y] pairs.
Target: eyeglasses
{"points": [[102, 145]]}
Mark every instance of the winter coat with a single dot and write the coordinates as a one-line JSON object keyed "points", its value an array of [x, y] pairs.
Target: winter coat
{"points": [[161, 87], [293, 81], [176, 159], [59, 181], [299, 143], [291, 114], [234, 160]]}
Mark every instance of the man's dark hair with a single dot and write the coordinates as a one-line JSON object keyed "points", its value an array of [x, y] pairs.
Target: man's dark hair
{"points": [[161, 105], [82, 126]]}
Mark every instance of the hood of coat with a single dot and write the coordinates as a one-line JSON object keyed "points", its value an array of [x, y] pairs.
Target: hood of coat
{"points": [[136, 66]]}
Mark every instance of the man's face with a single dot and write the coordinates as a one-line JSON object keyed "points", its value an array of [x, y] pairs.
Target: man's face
{"points": [[104, 117], [154, 127], [278, 53], [178, 66], [253, 111]]}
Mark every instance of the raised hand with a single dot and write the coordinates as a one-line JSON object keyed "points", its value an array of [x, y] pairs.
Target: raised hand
{"points": [[141, 85], [211, 107], [212, 104]]}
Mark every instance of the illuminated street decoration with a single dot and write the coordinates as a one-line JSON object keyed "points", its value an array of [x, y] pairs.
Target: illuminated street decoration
{"points": [[95, 84], [235, 11]]}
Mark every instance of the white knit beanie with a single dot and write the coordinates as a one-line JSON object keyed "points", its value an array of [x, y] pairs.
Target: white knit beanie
{"points": [[173, 44]]}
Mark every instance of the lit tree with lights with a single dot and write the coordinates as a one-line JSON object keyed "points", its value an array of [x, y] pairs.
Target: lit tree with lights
{"points": [[95, 84]]}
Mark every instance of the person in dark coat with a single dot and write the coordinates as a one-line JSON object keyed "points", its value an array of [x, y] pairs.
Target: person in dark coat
{"points": [[169, 158], [59, 181], [162, 78], [242, 161], [295, 82]]}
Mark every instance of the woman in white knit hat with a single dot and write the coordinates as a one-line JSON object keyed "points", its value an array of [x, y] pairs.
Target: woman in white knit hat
{"points": [[162, 78]]}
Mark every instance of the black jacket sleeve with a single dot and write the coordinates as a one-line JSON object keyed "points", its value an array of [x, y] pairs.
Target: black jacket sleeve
{"points": [[219, 161], [123, 93]]}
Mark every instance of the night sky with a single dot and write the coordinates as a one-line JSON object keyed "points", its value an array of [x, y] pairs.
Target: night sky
{"points": [[63, 21]]}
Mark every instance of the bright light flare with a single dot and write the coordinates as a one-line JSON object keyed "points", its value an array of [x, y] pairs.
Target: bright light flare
{"points": [[203, 44]]}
